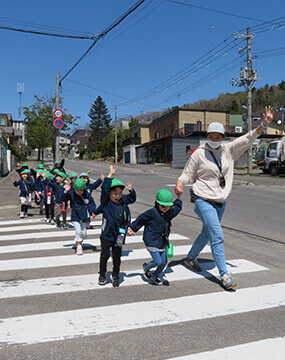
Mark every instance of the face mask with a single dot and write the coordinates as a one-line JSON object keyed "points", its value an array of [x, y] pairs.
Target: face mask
{"points": [[214, 144]]}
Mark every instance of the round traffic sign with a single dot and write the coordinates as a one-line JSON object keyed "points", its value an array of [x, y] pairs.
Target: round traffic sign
{"points": [[58, 123], [58, 113]]}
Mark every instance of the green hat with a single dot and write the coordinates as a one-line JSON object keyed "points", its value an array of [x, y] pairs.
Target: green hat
{"points": [[79, 184], [72, 175], [57, 162], [164, 197], [56, 171], [25, 165], [40, 166], [116, 182], [61, 174], [25, 172], [49, 175], [84, 174]]}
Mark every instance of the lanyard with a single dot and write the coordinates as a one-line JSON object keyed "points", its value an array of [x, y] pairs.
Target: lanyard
{"points": [[216, 162], [124, 216]]}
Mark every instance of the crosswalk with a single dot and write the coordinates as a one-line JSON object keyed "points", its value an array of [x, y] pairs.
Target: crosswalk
{"points": [[38, 262]]}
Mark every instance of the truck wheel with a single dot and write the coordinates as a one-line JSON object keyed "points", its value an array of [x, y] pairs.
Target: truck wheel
{"points": [[273, 170]]}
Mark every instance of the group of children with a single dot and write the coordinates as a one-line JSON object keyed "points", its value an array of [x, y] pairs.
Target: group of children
{"points": [[54, 192]]}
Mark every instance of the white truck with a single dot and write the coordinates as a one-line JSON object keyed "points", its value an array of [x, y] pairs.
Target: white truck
{"points": [[272, 159]]}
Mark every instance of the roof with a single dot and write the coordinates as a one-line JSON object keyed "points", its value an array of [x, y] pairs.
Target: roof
{"points": [[81, 132]]}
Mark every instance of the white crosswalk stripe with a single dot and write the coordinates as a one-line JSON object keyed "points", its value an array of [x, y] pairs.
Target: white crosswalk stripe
{"points": [[42, 325]]}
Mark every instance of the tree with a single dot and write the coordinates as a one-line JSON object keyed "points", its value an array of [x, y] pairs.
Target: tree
{"points": [[133, 122], [108, 144], [40, 131], [99, 124]]}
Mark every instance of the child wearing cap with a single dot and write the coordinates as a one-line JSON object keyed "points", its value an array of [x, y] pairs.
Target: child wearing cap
{"points": [[72, 177], [26, 188], [116, 216], [58, 188], [157, 224], [82, 205], [59, 166], [48, 193], [90, 187]]}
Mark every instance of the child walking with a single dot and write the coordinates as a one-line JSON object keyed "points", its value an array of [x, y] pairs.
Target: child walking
{"points": [[82, 205], [157, 223], [26, 188], [48, 197], [116, 216]]}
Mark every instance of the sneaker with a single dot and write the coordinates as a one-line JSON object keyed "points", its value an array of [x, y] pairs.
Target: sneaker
{"points": [[47, 221], [57, 223], [79, 250], [193, 264], [25, 215], [64, 226], [227, 282], [116, 282], [146, 273], [22, 215], [156, 280], [102, 280], [52, 222]]}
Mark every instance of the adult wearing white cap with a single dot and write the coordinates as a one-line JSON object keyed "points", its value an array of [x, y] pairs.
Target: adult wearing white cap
{"points": [[210, 170]]}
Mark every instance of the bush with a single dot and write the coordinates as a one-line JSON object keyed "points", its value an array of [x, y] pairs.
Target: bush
{"points": [[95, 155], [14, 151]]}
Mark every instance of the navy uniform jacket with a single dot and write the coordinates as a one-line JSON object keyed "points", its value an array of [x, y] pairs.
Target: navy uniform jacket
{"points": [[81, 206], [46, 188], [114, 215], [61, 167], [91, 187], [157, 225], [26, 187], [57, 188]]}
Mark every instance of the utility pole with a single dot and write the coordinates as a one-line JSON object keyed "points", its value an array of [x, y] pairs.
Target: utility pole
{"points": [[247, 78], [57, 107], [116, 137]]}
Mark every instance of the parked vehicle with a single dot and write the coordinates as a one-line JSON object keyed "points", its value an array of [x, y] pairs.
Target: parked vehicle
{"points": [[271, 160]]}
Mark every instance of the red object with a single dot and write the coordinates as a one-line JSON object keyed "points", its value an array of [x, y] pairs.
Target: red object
{"points": [[58, 123], [58, 113]]}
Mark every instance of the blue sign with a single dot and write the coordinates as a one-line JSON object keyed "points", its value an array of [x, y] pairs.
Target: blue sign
{"points": [[58, 123]]}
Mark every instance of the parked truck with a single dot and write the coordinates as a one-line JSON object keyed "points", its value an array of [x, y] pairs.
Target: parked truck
{"points": [[271, 159]]}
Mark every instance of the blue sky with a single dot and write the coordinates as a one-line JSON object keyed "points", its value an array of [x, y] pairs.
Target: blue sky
{"points": [[159, 40]]}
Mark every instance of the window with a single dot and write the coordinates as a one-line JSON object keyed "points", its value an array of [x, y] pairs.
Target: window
{"points": [[137, 134], [157, 135], [168, 150], [170, 129], [188, 147], [2, 121], [272, 150], [62, 140], [199, 125], [164, 131]]}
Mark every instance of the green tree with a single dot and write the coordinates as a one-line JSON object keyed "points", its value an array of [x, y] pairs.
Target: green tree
{"points": [[40, 131], [99, 124], [108, 144], [133, 122]]}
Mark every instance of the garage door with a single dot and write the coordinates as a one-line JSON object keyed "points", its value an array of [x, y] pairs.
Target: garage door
{"points": [[127, 157]]}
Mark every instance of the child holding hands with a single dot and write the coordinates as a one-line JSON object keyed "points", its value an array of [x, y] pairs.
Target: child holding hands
{"points": [[116, 216], [82, 205], [157, 223]]}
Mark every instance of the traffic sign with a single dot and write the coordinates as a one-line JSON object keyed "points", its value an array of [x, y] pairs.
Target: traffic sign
{"points": [[58, 113], [58, 123]]}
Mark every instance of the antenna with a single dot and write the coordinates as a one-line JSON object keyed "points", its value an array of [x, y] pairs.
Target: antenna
{"points": [[20, 91]]}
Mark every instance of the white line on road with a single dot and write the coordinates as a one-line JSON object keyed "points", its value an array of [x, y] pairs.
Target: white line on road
{"points": [[68, 244], [257, 350], [133, 277], [70, 260], [64, 325], [31, 221]]}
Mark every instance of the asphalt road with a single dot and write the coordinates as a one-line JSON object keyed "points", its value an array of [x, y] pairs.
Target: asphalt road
{"points": [[52, 308]]}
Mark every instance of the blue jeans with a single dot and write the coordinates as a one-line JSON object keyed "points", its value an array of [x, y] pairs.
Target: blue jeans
{"points": [[212, 231], [159, 260], [80, 231]]}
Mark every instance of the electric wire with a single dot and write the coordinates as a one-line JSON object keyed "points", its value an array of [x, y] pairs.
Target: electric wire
{"points": [[102, 34]]}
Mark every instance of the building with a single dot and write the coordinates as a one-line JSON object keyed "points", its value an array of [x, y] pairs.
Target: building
{"points": [[152, 142], [64, 143], [12, 134], [77, 140]]}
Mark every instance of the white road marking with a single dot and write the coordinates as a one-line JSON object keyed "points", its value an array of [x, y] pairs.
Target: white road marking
{"points": [[64, 284], [257, 350], [68, 244], [70, 260], [48, 234], [64, 325], [31, 221]]}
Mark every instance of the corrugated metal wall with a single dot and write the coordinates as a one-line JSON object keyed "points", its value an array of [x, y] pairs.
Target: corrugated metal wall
{"points": [[179, 152]]}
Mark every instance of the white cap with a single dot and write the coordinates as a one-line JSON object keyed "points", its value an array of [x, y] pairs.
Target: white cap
{"points": [[216, 127]]}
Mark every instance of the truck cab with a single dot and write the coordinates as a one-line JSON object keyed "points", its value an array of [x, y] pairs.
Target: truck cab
{"points": [[274, 158]]}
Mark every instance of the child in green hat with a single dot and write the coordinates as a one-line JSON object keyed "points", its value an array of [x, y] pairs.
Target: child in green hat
{"points": [[26, 188], [116, 217], [157, 224]]}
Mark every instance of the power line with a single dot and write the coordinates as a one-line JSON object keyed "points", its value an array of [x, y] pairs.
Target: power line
{"points": [[216, 11], [46, 33], [102, 34]]}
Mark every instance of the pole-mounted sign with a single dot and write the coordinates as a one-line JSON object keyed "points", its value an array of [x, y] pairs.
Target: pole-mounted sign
{"points": [[58, 113], [58, 123]]}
